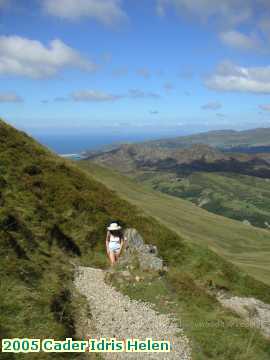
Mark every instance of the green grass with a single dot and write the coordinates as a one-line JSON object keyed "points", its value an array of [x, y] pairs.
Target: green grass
{"points": [[246, 246], [238, 197], [52, 213], [215, 183], [215, 333]]}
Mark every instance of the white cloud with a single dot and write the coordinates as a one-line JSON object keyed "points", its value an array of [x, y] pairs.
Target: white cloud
{"points": [[139, 94], [121, 124], [265, 107], [213, 105], [121, 71], [264, 26], [161, 7], [4, 3], [186, 74], [107, 58], [60, 99], [227, 11], [93, 95], [10, 97], [143, 72], [25, 57], [231, 77], [168, 86], [226, 15], [107, 12], [239, 40], [102, 96], [220, 115]]}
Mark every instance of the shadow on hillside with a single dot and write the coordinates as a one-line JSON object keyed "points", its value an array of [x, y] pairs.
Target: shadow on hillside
{"points": [[253, 167]]}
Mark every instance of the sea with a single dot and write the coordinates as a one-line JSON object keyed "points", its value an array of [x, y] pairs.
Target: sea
{"points": [[65, 144]]}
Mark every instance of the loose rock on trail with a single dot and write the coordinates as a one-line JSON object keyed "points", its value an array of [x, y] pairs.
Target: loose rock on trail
{"points": [[117, 316]]}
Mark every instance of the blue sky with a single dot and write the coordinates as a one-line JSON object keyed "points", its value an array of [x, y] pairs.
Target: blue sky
{"points": [[184, 65]]}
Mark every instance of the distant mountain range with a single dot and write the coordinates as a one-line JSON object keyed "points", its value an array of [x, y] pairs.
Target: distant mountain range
{"points": [[217, 177], [224, 139], [247, 141], [183, 161]]}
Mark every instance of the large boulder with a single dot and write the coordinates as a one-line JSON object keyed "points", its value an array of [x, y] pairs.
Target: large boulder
{"points": [[146, 254]]}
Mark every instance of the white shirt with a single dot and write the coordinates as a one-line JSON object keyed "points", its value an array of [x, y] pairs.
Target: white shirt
{"points": [[114, 238]]}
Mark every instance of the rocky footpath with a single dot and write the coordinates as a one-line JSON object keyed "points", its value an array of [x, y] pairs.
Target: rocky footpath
{"points": [[116, 315]]}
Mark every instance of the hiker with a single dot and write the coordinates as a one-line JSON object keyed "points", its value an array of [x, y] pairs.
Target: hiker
{"points": [[114, 242]]}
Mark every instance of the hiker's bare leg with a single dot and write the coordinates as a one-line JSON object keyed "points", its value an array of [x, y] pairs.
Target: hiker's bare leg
{"points": [[117, 254], [112, 257]]}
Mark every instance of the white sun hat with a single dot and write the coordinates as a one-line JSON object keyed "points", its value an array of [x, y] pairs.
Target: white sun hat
{"points": [[114, 226]]}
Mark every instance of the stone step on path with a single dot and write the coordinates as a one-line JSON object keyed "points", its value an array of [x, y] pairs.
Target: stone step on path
{"points": [[116, 315]]}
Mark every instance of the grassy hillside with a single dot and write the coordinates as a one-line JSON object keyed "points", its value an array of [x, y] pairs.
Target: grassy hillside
{"points": [[233, 185], [52, 212], [244, 245], [239, 197]]}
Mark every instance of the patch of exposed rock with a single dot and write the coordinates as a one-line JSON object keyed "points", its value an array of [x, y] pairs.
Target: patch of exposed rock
{"points": [[147, 254], [255, 312], [203, 202], [246, 222]]}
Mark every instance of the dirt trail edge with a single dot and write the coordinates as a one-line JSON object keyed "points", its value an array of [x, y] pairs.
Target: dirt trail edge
{"points": [[116, 315]]}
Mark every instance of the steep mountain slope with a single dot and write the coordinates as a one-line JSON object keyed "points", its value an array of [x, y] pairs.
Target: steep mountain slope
{"points": [[52, 212], [244, 245]]}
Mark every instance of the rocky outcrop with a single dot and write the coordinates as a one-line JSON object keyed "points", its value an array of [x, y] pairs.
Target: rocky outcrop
{"points": [[146, 254], [255, 313]]}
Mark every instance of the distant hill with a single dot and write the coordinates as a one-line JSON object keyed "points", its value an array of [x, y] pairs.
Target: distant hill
{"points": [[246, 141], [126, 158], [231, 184], [53, 213], [224, 139], [197, 157]]}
